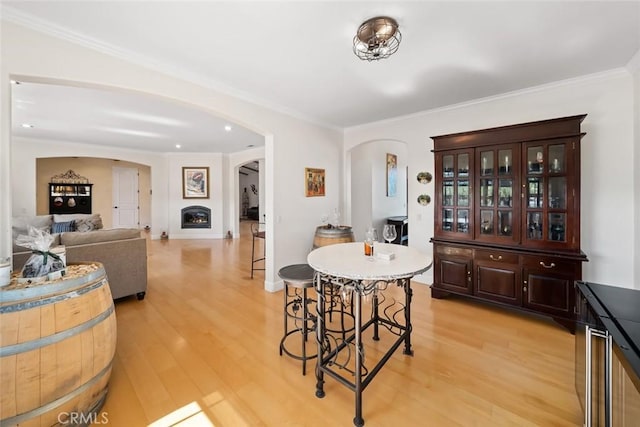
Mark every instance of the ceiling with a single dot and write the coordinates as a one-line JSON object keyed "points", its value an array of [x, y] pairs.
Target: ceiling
{"points": [[121, 119], [296, 57]]}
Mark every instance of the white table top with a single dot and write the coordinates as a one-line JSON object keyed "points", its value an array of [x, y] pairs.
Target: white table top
{"points": [[348, 260]]}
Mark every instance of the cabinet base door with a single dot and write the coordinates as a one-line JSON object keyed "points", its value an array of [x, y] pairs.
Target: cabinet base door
{"points": [[499, 283], [453, 275], [549, 294]]}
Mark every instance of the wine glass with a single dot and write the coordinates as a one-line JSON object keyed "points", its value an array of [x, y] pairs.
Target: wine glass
{"points": [[374, 234], [389, 233]]}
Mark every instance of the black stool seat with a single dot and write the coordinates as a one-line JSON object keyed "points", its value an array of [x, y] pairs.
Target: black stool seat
{"points": [[300, 278], [298, 275]]}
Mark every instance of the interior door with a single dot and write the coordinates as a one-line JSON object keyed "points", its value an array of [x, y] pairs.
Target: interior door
{"points": [[125, 198]]}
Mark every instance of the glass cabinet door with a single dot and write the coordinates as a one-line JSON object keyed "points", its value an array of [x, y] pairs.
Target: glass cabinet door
{"points": [[497, 168], [547, 182], [486, 192], [456, 192]]}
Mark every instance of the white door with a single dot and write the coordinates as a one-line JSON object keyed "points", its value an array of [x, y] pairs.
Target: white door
{"points": [[125, 198]]}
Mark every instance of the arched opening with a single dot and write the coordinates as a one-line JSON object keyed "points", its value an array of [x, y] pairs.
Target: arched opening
{"points": [[372, 200], [164, 187]]}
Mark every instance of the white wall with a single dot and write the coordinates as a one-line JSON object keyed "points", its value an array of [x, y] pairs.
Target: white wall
{"points": [[369, 201], [290, 143], [302, 210], [215, 202], [361, 215], [261, 187], [607, 203], [634, 68]]}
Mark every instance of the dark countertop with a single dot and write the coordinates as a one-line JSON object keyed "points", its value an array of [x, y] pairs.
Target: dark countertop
{"points": [[621, 303], [620, 313]]}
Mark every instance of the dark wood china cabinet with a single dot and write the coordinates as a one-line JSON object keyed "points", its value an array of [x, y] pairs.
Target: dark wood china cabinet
{"points": [[507, 216]]}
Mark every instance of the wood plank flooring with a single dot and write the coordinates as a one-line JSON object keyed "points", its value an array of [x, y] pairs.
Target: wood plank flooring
{"points": [[202, 350]]}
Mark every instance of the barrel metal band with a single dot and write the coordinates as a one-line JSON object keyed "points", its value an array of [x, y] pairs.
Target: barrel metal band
{"points": [[55, 403], [14, 295], [52, 339], [51, 300]]}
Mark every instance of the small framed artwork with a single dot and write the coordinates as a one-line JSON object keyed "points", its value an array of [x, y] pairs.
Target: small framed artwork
{"points": [[314, 182], [195, 182], [392, 174]]}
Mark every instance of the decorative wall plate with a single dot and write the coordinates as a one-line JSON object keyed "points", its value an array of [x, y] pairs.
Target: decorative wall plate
{"points": [[424, 177], [424, 199]]}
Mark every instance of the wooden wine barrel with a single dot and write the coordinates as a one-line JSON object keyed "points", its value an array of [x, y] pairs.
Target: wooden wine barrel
{"points": [[57, 342], [328, 236]]}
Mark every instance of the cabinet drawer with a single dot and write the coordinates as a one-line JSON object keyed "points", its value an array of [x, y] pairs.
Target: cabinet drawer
{"points": [[497, 256], [550, 264], [453, 251]]}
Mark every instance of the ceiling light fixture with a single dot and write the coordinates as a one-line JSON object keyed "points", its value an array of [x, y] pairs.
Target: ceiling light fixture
{"points": [[377, 38], [227, 128], [178, 145], [27, 125]]}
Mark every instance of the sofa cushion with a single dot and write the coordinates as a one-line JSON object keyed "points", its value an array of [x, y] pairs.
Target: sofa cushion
{"points": [[93, 222], [77, 238], [63, 227]]}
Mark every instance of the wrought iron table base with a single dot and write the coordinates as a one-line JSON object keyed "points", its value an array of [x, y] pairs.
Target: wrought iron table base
{"points": [[327, 356]]}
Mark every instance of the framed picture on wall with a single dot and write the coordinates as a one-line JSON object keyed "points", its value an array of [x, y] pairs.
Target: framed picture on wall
{"points": [[392, 174], [314, 182], [195, 182]]}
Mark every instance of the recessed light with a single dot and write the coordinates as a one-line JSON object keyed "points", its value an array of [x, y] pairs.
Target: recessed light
{"points": [[227, 128], [27, 125], [178, 145], [250, 145]]}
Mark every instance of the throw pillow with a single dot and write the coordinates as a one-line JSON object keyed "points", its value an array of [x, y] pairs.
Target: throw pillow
{"points": [[94, 222], [63, 227]]}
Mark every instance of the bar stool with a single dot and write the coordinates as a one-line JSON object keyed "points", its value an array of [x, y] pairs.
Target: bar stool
{"points": [[257, 232], [298, 278]]}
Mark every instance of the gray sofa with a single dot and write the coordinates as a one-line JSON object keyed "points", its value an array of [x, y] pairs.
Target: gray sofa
{"points": [[123, 252]]}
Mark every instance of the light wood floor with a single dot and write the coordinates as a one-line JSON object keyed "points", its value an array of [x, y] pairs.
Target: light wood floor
{"points": [[202, 349]]}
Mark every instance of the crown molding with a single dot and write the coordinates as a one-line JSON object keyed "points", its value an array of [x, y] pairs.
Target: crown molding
{"points": [[29, 21], [588, 78]]}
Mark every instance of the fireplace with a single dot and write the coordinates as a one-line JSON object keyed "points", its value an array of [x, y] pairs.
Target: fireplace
{"points": [[196, 217]]}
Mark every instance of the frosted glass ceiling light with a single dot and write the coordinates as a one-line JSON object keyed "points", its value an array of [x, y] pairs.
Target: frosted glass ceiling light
{"points": [[377, 38]]}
